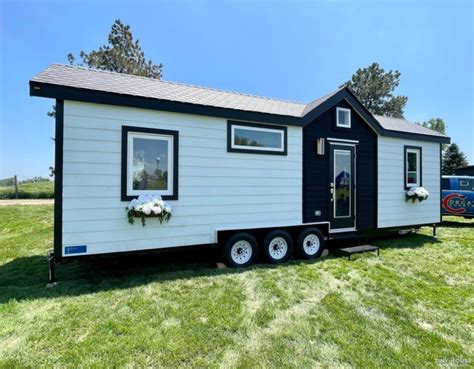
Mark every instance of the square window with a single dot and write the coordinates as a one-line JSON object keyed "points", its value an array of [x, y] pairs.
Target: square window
{"points": [[412, 178], [149, 162], [343, 117]]}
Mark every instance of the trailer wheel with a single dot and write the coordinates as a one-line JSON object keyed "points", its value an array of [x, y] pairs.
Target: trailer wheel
{"points": [[277, 246], [240, 250], [310, 243]]}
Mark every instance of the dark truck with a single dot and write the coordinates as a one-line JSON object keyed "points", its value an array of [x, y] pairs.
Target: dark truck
{"points": [[458, 196]]}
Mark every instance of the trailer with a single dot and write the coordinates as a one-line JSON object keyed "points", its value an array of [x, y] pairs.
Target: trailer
{"points": [[458, 196], [245, 173]]}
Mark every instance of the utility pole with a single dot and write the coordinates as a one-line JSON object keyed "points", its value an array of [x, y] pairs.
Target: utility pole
{"points": [[16, 186]]}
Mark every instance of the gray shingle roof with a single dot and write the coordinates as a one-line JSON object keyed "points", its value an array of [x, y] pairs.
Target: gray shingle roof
{"points": [[91, 79], [117, 83], [403, 125], [315, 103]]}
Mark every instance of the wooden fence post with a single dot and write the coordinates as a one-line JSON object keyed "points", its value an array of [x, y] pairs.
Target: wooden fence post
{"points": [[16, 186]]}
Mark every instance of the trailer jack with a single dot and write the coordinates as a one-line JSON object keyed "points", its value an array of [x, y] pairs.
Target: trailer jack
{"points": [[51, 272]]}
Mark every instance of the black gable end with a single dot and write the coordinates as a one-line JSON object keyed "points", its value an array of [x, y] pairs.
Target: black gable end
{"points": [[316, 168], [351, 101]]}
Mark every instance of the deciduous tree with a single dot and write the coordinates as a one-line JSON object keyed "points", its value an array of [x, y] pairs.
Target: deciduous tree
{"points": [[436, 124]]}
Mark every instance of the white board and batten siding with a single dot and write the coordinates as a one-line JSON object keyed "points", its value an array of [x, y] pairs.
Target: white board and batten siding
{"points": [[393, 210], [217, 189]]}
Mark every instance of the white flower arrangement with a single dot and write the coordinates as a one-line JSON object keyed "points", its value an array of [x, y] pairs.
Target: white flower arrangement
{"points": [[417, 193], [148, 206]]}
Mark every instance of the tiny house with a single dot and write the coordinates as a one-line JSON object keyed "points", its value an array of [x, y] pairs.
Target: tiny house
{"points": [[246, 173]]}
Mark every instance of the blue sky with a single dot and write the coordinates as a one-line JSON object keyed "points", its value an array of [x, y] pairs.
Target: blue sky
{"points": [[285, 49]]}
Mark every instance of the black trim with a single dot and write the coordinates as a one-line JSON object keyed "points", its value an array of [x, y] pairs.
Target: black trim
{"points": [[376, 183], [405, 148], [283, 129], [109, 98], [416, 136], [348, 95], [58, 180], [175, 134], [343, 222]]}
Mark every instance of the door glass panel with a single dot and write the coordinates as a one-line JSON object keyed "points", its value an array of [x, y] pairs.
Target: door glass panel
{"points": [[342, 183]]}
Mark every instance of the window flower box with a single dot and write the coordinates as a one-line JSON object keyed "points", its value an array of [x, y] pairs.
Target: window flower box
{"points": [[148, 206], [416, 193]]}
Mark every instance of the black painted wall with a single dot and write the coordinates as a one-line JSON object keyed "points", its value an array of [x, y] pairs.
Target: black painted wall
{"points": [[316, 167]]}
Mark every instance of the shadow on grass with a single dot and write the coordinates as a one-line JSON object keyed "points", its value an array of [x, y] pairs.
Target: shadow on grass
{"points": [[454, 224], [26, 277], [412, 241]]}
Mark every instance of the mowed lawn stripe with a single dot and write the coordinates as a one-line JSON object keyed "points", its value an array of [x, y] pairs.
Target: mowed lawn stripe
{"points": [[412, 307]]}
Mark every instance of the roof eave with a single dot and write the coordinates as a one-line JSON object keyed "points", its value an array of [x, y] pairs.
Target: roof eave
{"points": [[416, 136], [42, 89], [347, 94], [61, 92]]}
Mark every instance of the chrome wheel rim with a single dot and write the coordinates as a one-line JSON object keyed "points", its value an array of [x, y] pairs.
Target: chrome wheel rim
{"points": [[278, 248], [241, 252], [311, 244]]}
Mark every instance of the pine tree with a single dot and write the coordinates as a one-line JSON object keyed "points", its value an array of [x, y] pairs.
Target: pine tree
{"points": [[374, 88], [452, 158], [122, 54]]}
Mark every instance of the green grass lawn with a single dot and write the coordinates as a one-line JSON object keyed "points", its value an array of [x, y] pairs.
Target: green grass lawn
{"points": [[410, 308], [35, 190]]}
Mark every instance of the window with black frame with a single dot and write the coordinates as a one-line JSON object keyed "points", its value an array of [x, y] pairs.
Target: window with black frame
{"points": [[149, 162], [256, 138], [413, 166]]}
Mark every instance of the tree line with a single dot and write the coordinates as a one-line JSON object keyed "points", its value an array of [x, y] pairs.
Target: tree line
{"points": [[372, 85]]}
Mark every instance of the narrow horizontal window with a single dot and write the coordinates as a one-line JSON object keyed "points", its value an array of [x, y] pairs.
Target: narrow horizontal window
{"points": [[412, 166], [343, 117], [149, 162], [256, 138], [466, 184]]}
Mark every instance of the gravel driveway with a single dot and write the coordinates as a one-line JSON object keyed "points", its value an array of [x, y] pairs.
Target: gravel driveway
{"points": [[27, 202]]}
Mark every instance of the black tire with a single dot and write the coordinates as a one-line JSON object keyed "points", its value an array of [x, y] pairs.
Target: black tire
{"points": [[307, 251], [237, 255], [277, 246]]}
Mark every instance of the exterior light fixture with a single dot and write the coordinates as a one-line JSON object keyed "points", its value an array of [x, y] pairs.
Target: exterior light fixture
{"points": [[320, 146]]}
